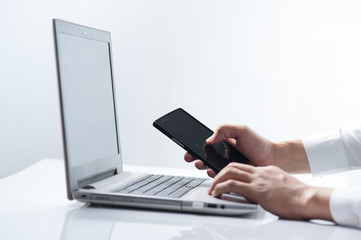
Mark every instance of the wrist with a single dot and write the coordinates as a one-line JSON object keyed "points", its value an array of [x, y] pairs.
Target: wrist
{"points": [[291, 156], [315, 204]]}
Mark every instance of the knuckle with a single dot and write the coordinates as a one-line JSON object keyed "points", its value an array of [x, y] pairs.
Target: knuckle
{"points": [[243, 127], [217, 189], [220, 128], [231, 170], [271, 168], [232, 165], [231, 184]]}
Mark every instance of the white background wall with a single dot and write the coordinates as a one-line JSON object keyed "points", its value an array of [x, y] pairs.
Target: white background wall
{"points": [[286, 68]]}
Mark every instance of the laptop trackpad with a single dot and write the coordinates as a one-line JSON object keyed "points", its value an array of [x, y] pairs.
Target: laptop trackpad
{"points": [[202, 193]]}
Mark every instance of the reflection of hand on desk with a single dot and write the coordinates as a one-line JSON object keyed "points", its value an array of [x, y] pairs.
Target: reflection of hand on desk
{"points": [[34, 206]]}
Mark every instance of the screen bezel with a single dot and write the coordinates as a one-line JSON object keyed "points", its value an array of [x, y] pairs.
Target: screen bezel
{"points": [[83, 174]]}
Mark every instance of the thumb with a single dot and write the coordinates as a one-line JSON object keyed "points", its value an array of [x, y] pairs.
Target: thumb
{"points": [[216, 137], [223, 132], [210, 139]]}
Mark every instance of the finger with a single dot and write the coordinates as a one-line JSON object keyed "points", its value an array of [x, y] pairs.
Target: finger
{"points": [[189, 157], [223, 132], [230, 186], [242, 167], [231, 141], [231, 173], [200, 165], [211, 173], [246, 190]]}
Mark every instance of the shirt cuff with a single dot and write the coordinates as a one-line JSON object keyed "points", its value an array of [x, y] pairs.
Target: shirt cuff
{"points": [[345, 205], [326, 153]]}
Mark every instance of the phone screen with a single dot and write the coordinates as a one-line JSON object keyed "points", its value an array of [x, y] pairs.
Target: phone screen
{"points": [[191, 134]]}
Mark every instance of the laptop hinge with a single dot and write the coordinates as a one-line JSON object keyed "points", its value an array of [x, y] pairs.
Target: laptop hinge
{"points": [[83, 183]]}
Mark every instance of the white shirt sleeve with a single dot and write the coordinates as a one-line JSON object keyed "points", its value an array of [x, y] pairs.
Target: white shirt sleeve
{"points": [[334, 151], [345, 206]]}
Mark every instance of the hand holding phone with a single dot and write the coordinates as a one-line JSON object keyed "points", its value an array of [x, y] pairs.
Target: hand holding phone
{"points": [[191, 135]]}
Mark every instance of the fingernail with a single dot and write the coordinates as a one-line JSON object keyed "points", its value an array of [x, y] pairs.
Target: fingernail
{"points": [[210, 138]]}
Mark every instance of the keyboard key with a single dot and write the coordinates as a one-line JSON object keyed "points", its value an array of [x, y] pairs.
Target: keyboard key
{"points": [[161, 185], [153, 184], [196, 182], [180, 192]]}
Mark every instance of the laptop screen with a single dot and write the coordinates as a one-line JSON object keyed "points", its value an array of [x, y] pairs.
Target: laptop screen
{"points": [[88, 102], [87, 99]]}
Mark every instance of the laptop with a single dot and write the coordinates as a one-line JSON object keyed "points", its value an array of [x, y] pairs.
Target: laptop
{"points": [[92, 152]]}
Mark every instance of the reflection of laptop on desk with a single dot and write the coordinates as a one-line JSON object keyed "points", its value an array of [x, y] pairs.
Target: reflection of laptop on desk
{"points": [[91, 137]]}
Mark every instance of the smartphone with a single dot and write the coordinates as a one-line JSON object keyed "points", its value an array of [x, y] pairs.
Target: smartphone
{"points": [[191, 135]]}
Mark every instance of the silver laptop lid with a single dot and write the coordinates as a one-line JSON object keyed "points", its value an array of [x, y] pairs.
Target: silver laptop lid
{"points": [[88, 104]]}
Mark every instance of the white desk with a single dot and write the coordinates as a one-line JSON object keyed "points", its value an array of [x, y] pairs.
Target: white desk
{"points": [[33, 205]]}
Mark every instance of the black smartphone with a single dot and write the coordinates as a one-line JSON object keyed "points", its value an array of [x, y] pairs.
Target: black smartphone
{"points": [[191, 134]]}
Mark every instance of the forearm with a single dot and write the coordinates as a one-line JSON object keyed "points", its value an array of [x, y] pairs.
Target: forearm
{"points": [[291, 156], [315, 204]]}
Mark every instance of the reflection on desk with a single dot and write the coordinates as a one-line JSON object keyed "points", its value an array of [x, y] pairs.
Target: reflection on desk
{"points": [[33, 205], [113, 223]]}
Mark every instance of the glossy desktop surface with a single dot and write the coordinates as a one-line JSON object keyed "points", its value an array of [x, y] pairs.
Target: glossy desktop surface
{"points": [[34, 206]]}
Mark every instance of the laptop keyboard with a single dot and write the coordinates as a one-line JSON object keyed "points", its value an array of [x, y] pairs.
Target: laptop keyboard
{"points": [[162, 185]]}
